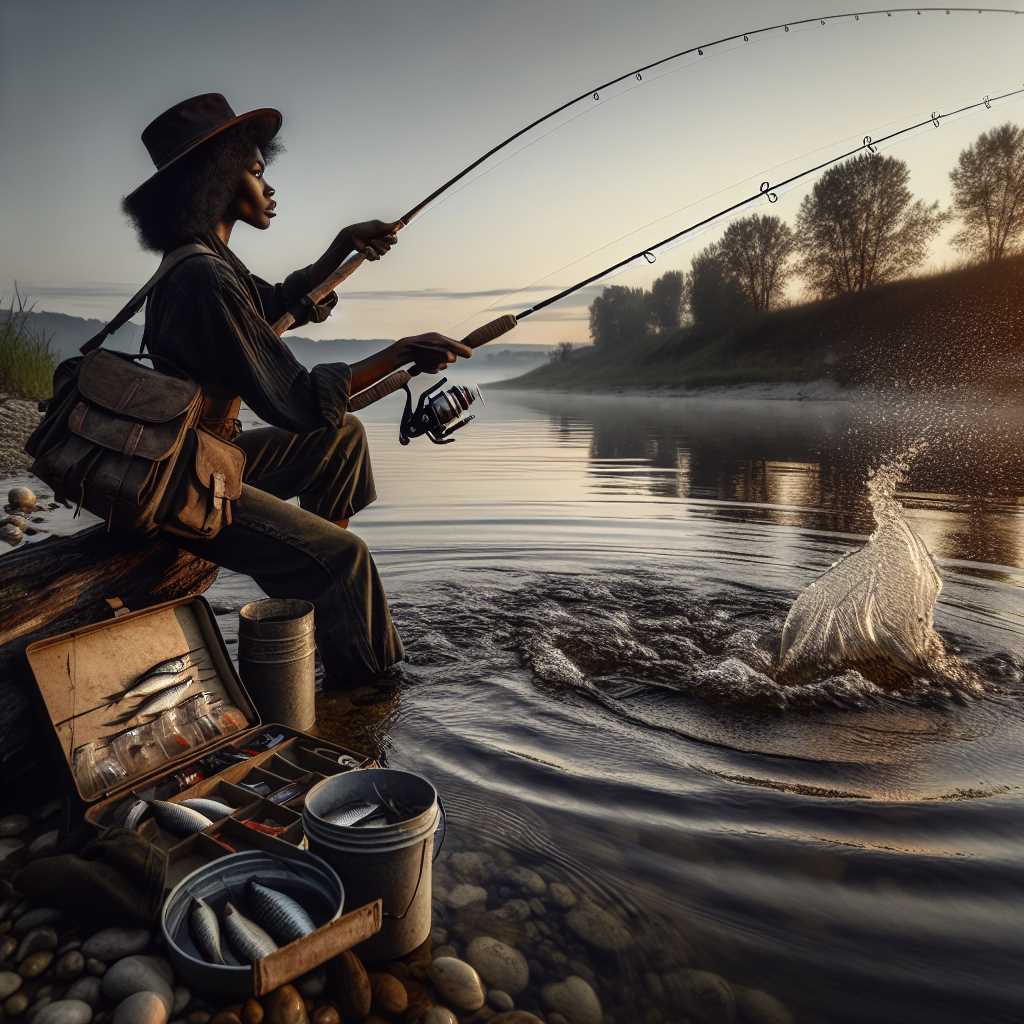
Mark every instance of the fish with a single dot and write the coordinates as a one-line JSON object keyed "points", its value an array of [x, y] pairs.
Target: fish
{"points": [[284, 917], [166, 698], [205, 929], [154, 678], [182, 821], [351, 814], [213, 809], [247, 938]]}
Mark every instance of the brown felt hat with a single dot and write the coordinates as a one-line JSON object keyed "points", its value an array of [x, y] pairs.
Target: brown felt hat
{"points": [[192, 122]]}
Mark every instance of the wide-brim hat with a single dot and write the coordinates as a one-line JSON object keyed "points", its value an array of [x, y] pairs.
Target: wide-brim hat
{"points": [[193, 122]]}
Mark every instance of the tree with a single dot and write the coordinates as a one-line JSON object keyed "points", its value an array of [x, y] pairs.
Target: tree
{"points": [[861, 226], [562, 352], [988, 193], [665, 300], [756, 253], [618, 315], [715, 299]]}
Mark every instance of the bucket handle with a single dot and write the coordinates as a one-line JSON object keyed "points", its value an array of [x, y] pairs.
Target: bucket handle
{"points": [[423, 863]]}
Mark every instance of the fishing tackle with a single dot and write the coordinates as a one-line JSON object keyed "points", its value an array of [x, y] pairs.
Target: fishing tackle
{"points": [[438, 414], [503, 324], [355, 260]]}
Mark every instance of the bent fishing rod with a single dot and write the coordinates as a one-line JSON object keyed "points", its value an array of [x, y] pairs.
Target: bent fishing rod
{"points": [[433, 406], [355, 260]]}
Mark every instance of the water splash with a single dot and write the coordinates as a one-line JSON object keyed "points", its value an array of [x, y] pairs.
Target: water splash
{"points": [[873, 611]]}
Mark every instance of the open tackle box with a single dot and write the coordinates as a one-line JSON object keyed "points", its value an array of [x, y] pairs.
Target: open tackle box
{"points": [[262, 771]]}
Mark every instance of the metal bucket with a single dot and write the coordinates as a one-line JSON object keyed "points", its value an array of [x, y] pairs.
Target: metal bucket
{"points": [[305, 878], [276, 660], [392, 863]]}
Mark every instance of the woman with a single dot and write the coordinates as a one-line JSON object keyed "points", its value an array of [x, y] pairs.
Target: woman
{"points": [[209, 318]]}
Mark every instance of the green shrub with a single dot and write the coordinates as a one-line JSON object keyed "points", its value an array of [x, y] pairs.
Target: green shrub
{"points": [[26, 362]]}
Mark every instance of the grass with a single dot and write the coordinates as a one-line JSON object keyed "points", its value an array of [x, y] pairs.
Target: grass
{"points": [[26, 361]]}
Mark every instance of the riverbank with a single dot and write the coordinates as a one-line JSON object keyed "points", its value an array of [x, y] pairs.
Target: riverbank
{"points": [[18, 418]]}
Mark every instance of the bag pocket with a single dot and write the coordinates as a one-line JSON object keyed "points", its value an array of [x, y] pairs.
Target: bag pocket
{"points": [[210, 480]]}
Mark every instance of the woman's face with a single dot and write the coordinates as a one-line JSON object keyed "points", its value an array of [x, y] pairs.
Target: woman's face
{"points": [[253, 203]]}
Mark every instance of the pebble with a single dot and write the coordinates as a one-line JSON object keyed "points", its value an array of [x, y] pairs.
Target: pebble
{"points": [[198, 1017], [500, 1001], [86, 989], [9, 983], [46, 844], [326, 1015], [252, 1012], [500, 965], [11, 534], [575, 999], [16, 1005], [8, 947], [116, 943], [285, 1006], [97, 968], [48, 810], [707, 998], [37, 918], [756, 1007], [70, 966], [141, 1008], [138, 974], [227, 1017], [446, 951], [457, 983], [527, 880], [440, 1015], [598, 928], [515, 910], [312, 985], [182, 997], [68, 945], [34, 941], [21, 499], [64, 1011], [9, 848], [14, 824], [389, 995], [469, 867], [518, 1017], [464, 895], [351, 985], [35, 963]]}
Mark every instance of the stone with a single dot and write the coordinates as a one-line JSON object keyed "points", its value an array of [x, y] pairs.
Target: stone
{"points": [[138, 974], [528, 881], [34, 941], [11, 534], [574, 999], [10, 849], [13, 824], [198, 1017], [182, 997], [70, 965], [389, 995], [16, 1005], [469, 867], [285, 1006], [756, 1007], [252, 1012], [457, 983], [312, 985], [64, 1011], [599, 929], [97, 968], [35, 963], [8, 947], [517, 1017], [326, 1015], [38, 918], [514, 910], [464, 895], [499, 964], [351, 985], [438, 936], [500, 1001], [439, 1015], [87, 989], [562, 896], [22, 499], [227, 1017], [51, 807], [9, 983], [141, 1008], [68, 945], [706, 997], [116, 943], [446, 951], [45, 844]]}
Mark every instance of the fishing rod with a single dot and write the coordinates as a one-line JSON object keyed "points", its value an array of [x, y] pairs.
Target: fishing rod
{"points": [[355, 260], [436, 414]]}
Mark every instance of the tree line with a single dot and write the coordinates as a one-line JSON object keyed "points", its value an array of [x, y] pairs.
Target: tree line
{"points": [[859, 227]]}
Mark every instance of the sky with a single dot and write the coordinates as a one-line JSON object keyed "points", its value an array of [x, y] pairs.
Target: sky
{"points": [[384, 101]]}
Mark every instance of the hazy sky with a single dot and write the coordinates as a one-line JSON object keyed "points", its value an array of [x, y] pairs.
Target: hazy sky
{"points": [[382, 101]]}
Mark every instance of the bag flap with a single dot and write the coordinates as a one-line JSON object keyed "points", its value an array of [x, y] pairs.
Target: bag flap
{"points": [[132, 390], [217, 457], [152, 441]]}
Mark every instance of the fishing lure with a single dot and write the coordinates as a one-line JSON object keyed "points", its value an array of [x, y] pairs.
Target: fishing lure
{"points": [[282, 916], [247, 938], [213, 809], [182, 821], [205, 929]]}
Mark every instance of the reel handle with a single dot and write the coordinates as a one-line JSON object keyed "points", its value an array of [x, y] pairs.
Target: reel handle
{"points": [[397, 380]]}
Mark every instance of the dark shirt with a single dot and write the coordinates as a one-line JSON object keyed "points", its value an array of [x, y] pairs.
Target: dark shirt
{"points": [[210, 318]]}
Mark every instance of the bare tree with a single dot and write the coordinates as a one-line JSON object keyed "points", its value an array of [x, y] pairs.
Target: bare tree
{"points": [[756, 252], [861, 226], [988, 193]]}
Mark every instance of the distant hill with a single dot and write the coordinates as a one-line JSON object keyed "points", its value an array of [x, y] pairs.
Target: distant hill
{"points": [[959, 330]]}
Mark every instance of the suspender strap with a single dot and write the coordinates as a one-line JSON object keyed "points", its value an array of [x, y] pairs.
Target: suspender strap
{"points": [[167, 264]]}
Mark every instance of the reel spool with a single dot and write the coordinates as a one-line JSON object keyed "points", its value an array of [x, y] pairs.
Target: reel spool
{"points": [[438, 414]]}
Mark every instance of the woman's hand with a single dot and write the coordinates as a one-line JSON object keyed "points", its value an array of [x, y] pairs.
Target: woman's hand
{"points": [[430, 352], [373, 238]]}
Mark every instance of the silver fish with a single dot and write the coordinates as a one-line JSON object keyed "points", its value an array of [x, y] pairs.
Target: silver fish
{"points": [[161, 701], [285, 918], [351, 814], [205, 929], [182, 821], [213, 809], [155, 677], [247, 938]]}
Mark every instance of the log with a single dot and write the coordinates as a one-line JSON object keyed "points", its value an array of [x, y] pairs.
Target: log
{"points": [[61, 584]]}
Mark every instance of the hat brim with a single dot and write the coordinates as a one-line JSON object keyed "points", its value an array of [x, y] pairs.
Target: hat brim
{"points": [[271, 119]]}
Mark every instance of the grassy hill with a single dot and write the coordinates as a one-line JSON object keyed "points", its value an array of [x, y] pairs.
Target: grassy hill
{"points": [[963, 329]]}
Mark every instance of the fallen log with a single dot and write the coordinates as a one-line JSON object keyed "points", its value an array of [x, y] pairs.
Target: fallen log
{"points": [[65, 582]]}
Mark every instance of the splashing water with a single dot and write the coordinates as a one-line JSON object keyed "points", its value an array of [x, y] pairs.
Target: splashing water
{"points": [[873, 611]]}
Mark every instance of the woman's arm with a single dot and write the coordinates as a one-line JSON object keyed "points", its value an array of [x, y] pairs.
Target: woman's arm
{"points": [[430, 352], [372, 238]]}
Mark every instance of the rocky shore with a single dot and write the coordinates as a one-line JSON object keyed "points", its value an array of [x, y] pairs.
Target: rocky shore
{"points": [[18, 418]]}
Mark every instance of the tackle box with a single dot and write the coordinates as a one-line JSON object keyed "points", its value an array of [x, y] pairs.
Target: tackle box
{"points": [[78, 673]]}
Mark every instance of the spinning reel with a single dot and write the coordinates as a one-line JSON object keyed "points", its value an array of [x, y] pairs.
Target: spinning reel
{"points": [[438, 414]]}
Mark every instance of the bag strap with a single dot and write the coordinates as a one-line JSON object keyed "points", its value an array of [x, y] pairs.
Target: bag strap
{"points": [[167, 264]]}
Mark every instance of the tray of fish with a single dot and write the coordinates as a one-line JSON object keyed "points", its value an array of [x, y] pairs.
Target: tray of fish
{"points": [[253, 919]]}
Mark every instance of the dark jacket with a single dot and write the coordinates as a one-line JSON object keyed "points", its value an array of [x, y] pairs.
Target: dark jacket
{"points": [[210, 318]]}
